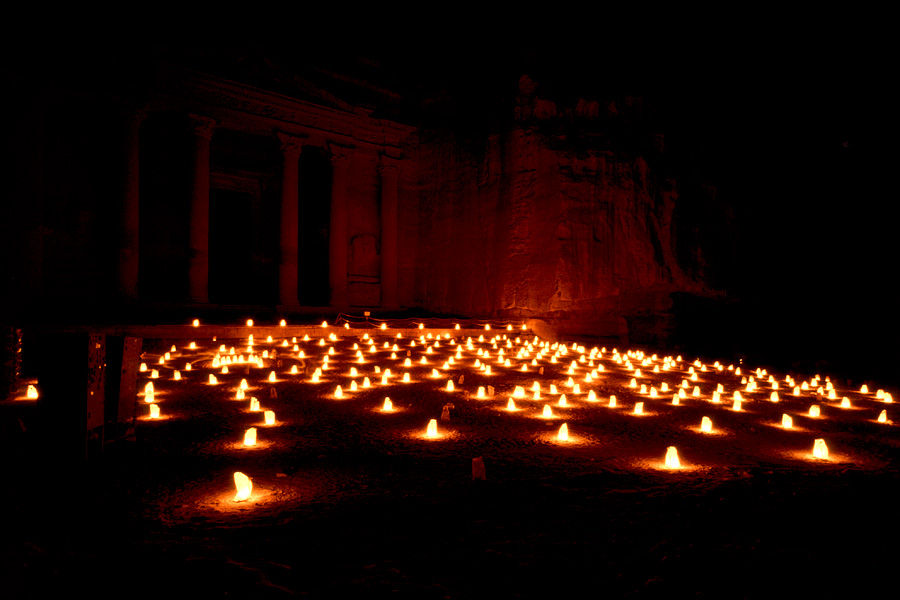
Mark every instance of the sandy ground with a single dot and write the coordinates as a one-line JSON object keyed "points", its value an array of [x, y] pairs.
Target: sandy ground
{"points": [[350, 501]]}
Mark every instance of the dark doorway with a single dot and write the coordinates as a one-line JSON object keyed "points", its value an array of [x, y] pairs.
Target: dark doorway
{"points": [[314, 214], [231, 273]]}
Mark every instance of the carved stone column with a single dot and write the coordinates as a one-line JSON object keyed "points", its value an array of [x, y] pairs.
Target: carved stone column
{"points": [[287, 266], [198, 251], [389, 229], [337, 232], [129, 217]]}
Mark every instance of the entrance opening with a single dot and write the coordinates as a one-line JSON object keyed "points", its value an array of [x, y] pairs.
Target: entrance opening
{"points": [[231, 272], [314, 214]]}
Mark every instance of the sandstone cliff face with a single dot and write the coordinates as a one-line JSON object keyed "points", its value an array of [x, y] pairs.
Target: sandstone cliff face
{"points": [[582, 241]]}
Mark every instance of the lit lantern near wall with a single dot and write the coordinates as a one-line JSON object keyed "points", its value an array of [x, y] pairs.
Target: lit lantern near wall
{"points": [[294, 370], [154, 374], [882, 417], [814, 410], [787, 422], [864, 389], [888, 397], [706, 425], [250, 437], [254, 405], [563, 435], [820, 450], [638, 408], [480, 392], [388, 405], [672, 461], [243, 485], [31, 392], [431, 431], [154, 411], [143, 368], [270, 417]]}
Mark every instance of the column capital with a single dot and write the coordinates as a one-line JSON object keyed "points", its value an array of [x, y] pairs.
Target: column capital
{"points": [[202, 126], [339, 153], [290, 144], [389, 166]]}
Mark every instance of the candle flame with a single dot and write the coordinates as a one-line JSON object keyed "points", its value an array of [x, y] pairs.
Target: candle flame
{"points": [[820, 450], [244, 486], [672, 461]]}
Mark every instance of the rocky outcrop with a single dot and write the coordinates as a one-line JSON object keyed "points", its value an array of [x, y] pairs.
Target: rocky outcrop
{"points": [[529, 227]]}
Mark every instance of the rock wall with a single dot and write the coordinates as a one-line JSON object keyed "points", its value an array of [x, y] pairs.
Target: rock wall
{"points": [[582, 241]]}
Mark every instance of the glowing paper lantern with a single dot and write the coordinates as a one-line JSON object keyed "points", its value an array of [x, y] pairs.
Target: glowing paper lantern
{"points": [[592, 397], [154, 411], [774, 397], [510, 406], [639, 408], [254, 405], [672, 461], [787, 422], [388, 405], [177, 375], [212, 379], [250, 437], [353, 386], [244, 486], [154, 374], [820, 450], [449, 385], [882, 416], [814, 410], [270, 417], [562, 401], [612, 401], [547, 413], [338, 392], [864, 389], [737, 405], [31, 392], [706, 425], [431, 431], [406, 378], [563, 435]]}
